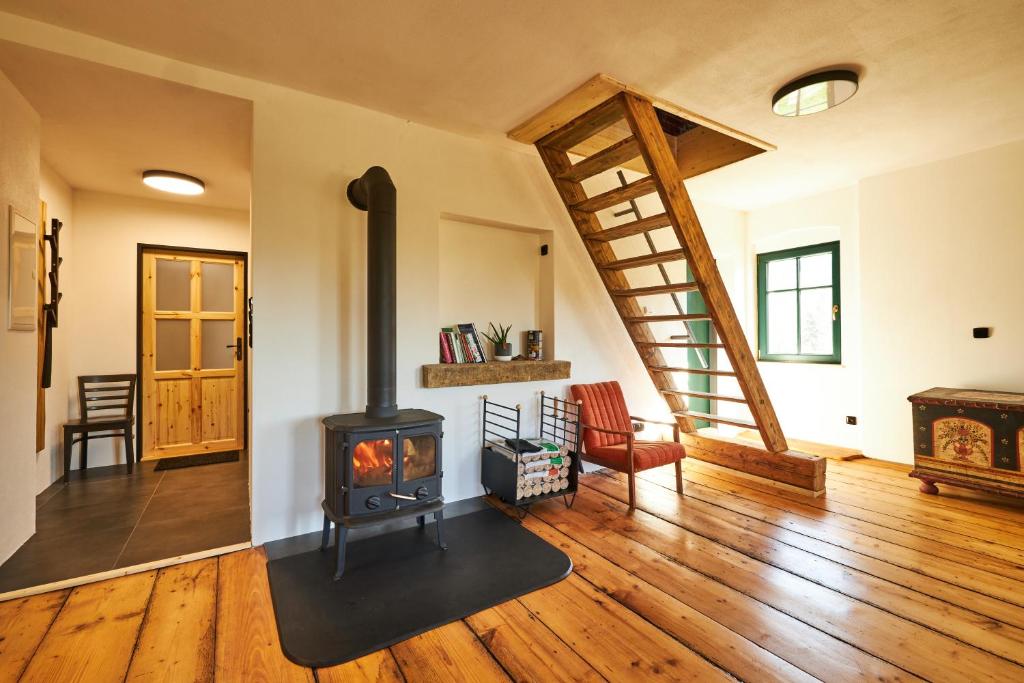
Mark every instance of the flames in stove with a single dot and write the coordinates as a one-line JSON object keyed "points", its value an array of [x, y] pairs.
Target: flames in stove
{"points": [[372, 462]]}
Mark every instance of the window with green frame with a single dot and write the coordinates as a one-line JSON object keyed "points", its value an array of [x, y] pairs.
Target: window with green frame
{"points": [[798, 305]]}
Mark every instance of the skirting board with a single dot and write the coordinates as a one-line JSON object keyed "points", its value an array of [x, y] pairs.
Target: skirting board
{"points": [[122, 571], [794, 469]]}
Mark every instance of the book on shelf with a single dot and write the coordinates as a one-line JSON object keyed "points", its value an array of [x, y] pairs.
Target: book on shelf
{"points": [[460, 344], [446, 348]]}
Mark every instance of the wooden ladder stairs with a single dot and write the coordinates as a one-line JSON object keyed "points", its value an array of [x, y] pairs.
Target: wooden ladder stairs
{"points": [[639, 141]]}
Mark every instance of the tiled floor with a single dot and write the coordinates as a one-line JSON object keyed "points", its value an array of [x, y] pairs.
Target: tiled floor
{"points": [[106, 518]]}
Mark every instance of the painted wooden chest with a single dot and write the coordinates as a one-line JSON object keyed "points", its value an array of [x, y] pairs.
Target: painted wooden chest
{"points": [[969, 438]]}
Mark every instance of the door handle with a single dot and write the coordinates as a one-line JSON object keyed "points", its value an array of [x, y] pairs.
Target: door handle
{"points": [[237, 346]]}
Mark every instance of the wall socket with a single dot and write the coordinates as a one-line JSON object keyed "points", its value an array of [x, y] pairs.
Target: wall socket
{"points": [[851, 419]]}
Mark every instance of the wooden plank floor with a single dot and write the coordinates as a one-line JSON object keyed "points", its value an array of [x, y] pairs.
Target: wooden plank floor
{"points": [[732, 580]]}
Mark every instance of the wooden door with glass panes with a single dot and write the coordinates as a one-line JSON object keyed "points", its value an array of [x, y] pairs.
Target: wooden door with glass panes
{"points": [[193, 353]]}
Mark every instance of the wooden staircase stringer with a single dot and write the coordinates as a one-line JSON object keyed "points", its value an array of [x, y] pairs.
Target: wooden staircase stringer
{"points": [[571, 191], [668, 179]]}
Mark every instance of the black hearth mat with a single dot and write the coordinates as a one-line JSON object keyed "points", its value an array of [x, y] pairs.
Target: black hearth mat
{"points": [[400, 584], [180, 461]]}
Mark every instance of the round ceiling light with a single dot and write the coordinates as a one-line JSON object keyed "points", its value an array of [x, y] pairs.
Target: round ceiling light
{"points": [[176, 183], [814, 93]]}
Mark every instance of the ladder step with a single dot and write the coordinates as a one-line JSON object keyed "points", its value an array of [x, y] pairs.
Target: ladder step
{"points": [[735, 421], [607, 158], [704, 394], [657, 289], [646, 260], [629, 229], [681, 345], [584, 126], [666, 318], [637, 188], [693, 371]]}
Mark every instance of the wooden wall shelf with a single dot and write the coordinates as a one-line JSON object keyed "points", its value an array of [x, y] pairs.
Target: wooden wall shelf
{"points": [[470, 374]]}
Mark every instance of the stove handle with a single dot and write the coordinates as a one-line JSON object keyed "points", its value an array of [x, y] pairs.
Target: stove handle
{"points": [[403, 497]]}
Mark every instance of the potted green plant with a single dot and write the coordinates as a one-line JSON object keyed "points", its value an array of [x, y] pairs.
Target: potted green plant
{"points": [[499, 337]]}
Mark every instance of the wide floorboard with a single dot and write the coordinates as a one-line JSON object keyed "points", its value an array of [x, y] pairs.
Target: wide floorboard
{"points": [[733, 580]]}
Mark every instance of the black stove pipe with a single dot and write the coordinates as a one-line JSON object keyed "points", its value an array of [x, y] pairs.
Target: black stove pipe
{"points": [[374, 193]]}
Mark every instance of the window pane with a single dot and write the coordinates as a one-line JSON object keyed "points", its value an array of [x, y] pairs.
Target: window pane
{"points": [[217, 336], [218, 287], [782, 274], [173, 285], [816, 321], [782, 322], [172, 344], [816, 270]]}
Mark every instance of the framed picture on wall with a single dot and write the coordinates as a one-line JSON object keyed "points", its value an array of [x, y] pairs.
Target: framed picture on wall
{"points": [[21, 272]]}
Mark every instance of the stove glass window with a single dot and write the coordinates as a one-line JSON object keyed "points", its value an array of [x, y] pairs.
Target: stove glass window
{"points": [[373, 463], [419, 457]]}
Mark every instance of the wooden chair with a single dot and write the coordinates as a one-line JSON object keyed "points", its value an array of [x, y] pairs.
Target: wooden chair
{"points": [[106, 404], [609, 438]]}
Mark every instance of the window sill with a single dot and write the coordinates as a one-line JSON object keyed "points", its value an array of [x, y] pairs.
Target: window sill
{"points": [[816, 363]]}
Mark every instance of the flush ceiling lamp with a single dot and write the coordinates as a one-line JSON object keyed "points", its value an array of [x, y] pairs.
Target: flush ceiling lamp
{"points": [[171, 181], [814, 93]]}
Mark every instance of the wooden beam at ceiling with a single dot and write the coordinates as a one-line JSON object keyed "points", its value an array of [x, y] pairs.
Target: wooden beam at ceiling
{"points": [[709, 146], [598, 89]]}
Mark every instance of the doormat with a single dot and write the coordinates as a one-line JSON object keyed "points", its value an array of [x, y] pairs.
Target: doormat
{"points": [[195, 460], [400, 584]]}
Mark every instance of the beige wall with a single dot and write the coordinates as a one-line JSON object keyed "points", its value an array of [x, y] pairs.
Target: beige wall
{"points": [[58, 197], [812, 400], [107, 230], [942, 252], [19, 188]]}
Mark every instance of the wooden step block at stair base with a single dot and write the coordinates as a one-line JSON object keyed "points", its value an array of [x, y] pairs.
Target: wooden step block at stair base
{"points": [[812, 447], [641, 226], [584, 126], [794, 470], [646, 260], [720, 419], [619, 195], [605, 160], [657, 289]]}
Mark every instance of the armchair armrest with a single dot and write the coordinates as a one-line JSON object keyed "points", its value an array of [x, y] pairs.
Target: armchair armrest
{"points": [[653, 422]]}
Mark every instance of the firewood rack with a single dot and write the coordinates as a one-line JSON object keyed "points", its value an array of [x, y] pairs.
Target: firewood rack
{"points": [[503, 467]]}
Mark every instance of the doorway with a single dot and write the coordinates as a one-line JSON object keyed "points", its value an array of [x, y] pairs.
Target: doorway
{"points": [[192, 352]]}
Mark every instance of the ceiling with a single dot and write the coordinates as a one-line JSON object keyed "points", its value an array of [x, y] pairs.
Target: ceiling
{"points": [[102, 127], [939, 77]]}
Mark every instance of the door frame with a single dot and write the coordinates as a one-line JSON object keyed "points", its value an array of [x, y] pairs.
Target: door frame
{"points": [[144, 247]]}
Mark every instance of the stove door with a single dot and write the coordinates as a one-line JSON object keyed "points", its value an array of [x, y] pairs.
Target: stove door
{"points": [[420, 473], [373, 473]]}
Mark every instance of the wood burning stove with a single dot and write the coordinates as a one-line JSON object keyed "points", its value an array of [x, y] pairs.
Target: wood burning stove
{"points": [[384, 463]]}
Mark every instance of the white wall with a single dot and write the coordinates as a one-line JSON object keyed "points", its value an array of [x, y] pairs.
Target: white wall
{"points": [[942, 251], [58, 197], [19, 188], [108, 229], [812, 400]]}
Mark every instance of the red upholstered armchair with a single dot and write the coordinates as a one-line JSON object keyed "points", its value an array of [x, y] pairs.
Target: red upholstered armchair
{"points": [[608, 436]]}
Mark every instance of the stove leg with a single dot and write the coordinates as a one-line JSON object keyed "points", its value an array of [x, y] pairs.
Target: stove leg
{"points": [[421, 520], [340, 532], [439, 522], [325, 538]]}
